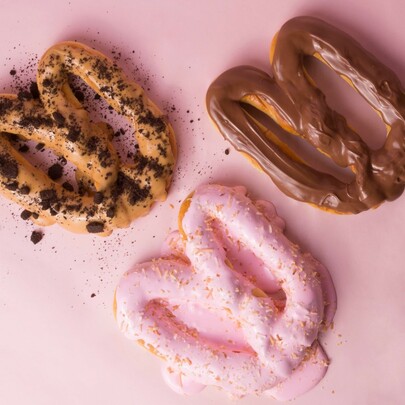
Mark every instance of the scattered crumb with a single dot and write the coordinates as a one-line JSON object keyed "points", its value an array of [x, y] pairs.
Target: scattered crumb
{"points": [[36, 237], [55, 172]]}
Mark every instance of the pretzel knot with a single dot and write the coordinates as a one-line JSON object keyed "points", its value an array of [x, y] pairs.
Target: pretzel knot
{"points": [[115, 193], [232, 260], [293, 101]]}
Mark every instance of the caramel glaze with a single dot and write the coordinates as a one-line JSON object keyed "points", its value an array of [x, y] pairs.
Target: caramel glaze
{"points": [[111, 194], [292, 100]]}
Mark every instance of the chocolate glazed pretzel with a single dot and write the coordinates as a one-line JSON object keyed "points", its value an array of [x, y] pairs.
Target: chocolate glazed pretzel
{"points": [[293, 101], [115, 193]]}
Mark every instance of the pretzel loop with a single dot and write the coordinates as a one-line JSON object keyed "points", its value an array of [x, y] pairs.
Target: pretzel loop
{"points": [[293, 101], [115, 193], [220, 227]]}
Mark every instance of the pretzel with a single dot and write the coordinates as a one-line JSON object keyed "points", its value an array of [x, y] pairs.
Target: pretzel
{"points": [[223, 236], [293, 101], [116, 193]]}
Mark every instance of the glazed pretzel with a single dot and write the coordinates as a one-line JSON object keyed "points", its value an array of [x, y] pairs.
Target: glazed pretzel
{"points": [[116, 193], [220, 226], [293, 101]]}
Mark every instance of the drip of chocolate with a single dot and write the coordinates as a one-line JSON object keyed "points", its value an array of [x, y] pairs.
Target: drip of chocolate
{"points": [[299, 107]]}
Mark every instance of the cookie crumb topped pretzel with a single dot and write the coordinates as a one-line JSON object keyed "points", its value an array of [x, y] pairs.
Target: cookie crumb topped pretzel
{"points": [[293, 101], [115, 193]]}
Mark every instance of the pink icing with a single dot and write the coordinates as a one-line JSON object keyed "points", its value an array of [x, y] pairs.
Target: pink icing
{"points": [[214, 280]]}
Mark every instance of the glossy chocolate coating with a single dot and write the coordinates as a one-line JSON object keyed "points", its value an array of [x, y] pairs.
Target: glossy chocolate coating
{"points": [[297, 105]]}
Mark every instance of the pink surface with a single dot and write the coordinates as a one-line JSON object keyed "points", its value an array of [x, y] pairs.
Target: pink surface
{"points": [[59, 345]]}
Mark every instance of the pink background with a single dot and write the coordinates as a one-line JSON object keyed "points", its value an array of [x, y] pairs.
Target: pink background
{"points": [[60, 346]]}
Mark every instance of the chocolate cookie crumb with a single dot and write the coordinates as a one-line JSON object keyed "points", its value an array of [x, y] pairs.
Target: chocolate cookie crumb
{"points": [[92, 295], [24, 148], [98, 197], [79, 95], [73, 134], [59, 118], [48, 198], [12, 137], [36, 237], [24, 190], [34, 90], [55, 172], [8, 167], [67, 186], [95, 227], [110, 212], [149, 119], [40, 146], [24, 95], [47, 83], [227, 151], [25, 214], [36, 122], [12, 186], [48, 194], [92, 144], [13, 72], [5, 106]]}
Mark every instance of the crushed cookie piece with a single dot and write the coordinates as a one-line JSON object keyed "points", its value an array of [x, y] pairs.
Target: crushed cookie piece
{"points": [[110, 212], [8, 167], [79, 95], [73, 134], [67, 186], [24, 190], [36, 237], [34, 90], [59, 119], [55, 172], [24, 148], [98, 197], [12, 186], [24, 95], [95, 227], [25, 214]]}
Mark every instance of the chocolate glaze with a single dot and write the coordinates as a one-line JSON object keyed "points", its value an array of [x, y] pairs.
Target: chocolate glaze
{"points": [[292, 100]]}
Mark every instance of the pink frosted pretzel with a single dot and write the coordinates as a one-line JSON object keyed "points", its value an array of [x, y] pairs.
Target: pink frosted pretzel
{"points": [[278, 308]]}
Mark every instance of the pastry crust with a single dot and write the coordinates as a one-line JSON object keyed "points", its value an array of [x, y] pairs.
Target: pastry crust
{"points": [[115, 194]]}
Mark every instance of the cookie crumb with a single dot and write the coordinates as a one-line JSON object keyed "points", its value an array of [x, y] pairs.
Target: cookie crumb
{"points": [[26, 214], [23, 148], [55, 172], [36, 237], [34, 90], [98, 197], [67, 186], [95, 227]]}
